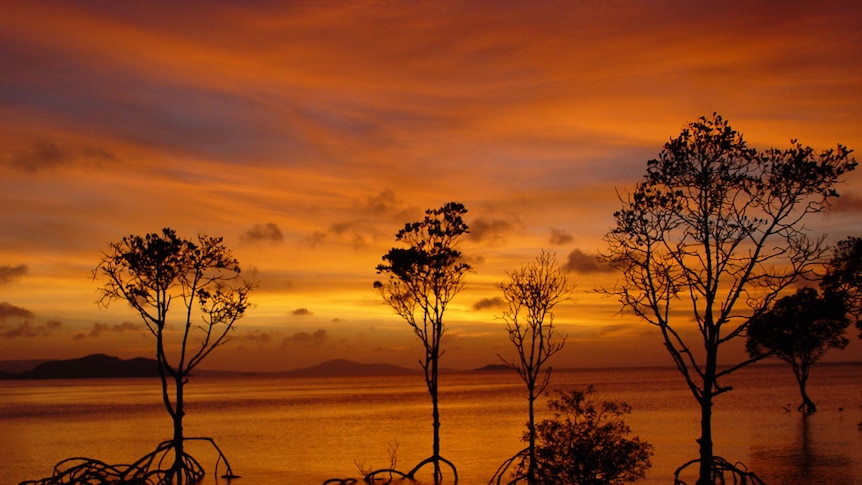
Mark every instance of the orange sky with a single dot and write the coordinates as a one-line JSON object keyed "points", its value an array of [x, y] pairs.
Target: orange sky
{"points": [[308, 133]]}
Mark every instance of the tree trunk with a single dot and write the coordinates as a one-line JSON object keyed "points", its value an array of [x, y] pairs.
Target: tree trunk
{"points": [[178, 431], [436, 417], [707, 455], [807, 405], [531, 429], [705, 441]]}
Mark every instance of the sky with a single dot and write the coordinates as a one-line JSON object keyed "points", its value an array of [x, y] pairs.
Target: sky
{"points": [[308, 133]]}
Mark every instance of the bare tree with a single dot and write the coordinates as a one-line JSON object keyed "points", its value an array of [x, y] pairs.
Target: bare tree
{"points": [[718, 228], [531, 294], [153, 272], [799, 329], [423, 278]]}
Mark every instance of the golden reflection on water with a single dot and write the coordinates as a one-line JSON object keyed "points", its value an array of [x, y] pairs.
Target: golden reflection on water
{"points": [[276, 430]]}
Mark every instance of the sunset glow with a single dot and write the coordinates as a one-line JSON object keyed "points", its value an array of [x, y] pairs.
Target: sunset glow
{"points": [[306, 134]]}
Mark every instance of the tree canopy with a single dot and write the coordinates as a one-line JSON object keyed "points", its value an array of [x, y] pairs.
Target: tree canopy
{"points": [[799, 329], [712, 234], [423, 278]]}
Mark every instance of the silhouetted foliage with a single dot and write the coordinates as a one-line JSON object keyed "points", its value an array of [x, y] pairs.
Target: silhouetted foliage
{"points": [[153, 272], [799, 329], [844, 277], [422, 280], [585, 443], [717, 227], [531, 293]]}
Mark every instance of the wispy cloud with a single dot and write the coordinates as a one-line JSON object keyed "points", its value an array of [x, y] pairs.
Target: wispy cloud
{"points": [[268, 232], [28, 329], [45, 155], [9, 274], [489, 303], [579, 261], [492, 232], [8, 310], [559, 237], [305, 339], [102, 328]]}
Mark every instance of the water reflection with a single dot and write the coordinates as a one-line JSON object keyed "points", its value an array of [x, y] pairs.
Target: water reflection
{"points": [[816, 454]]}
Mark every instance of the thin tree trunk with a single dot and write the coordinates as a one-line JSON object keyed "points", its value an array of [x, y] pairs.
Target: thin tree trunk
{"points": [[807, 405], [531, 470], [436, 418], [707, 454], [178, 431]]}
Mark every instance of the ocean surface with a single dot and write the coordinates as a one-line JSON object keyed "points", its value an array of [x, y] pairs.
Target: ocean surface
{"points": [[291, 430]]}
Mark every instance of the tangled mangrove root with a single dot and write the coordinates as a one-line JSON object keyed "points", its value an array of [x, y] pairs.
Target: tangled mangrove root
{"points": [[519, 460], [387, 475], [738, 473], [154, 468]]}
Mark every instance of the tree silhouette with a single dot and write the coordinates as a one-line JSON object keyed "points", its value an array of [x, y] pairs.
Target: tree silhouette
{"points": [[531, 293], [844, 276], [586, 443], [156, 271], [799, 329], [717, 227], [422, 280]]}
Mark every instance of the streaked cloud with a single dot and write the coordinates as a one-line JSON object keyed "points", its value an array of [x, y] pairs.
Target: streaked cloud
{"points": [[489, 303], [28, 329], [559, 237], [268, 232], [308, 134], [8, 310], [9, 274], [579, 261], [492, 232], [306, 339], [44, 155], [102, 328]]}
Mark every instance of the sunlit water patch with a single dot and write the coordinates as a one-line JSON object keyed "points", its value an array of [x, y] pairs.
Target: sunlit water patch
{"points": [[277, 430]]}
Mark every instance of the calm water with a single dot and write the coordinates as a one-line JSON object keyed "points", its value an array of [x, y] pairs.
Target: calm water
{"points": [[278, 430]]}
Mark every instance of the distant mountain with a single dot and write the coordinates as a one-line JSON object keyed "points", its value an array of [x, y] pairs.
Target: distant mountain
{"points": [[495, 368], [349, 368], [17, 366], [91, 366]]}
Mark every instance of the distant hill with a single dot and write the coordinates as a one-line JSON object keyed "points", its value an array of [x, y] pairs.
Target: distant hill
{"points": [[17, 366], [495, 368], [91, 366], [349, 368]]}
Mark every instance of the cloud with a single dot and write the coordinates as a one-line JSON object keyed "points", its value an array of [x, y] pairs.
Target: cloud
{"points": [[486, 303], [305, 339], [356, 233], [559, 237], [581, 262], [29, 330], [45, 155], [301, 312], [268, 232], [100, 328], [11, 273], [8, 310], [491, 232], [256, 336], [847, 203], [382, 204]]}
